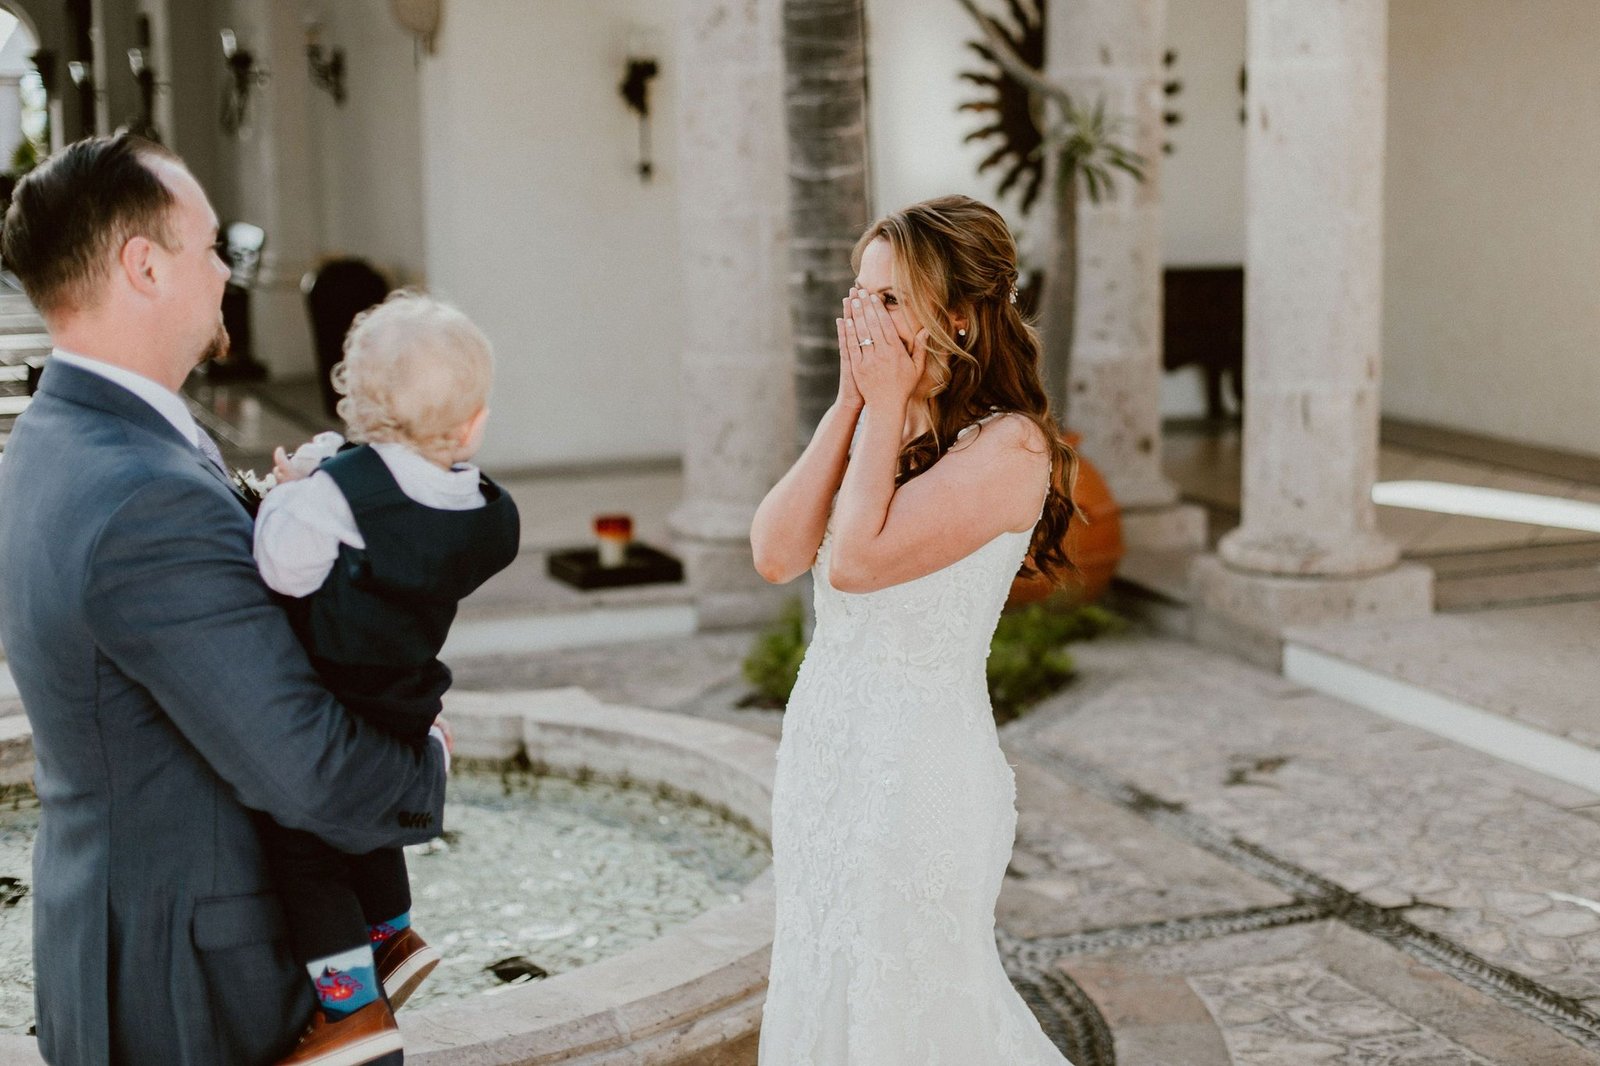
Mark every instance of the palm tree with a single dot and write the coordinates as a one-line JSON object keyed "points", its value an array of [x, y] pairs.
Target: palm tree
{"points": [[825, 98], [1081, 145]]}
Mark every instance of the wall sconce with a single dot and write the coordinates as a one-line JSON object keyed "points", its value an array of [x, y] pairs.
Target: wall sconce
{"points": [[641, 67], [243, 77], [143, 123], [327, 72], [82, 75]]}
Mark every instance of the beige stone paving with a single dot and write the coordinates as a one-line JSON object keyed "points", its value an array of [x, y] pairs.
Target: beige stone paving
{"points": [[1466, 844], [1538, 665], [1391, 813], [1082, 863], [1304, 996]]}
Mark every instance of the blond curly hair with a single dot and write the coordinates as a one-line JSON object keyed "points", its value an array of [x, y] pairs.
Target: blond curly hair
{"points": [[415, 370]]}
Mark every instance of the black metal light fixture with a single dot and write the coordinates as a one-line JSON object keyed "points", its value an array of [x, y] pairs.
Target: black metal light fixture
{"points": [[144, 123], [327, 71], [82, 75], [642, 66], [243, 76], [44, 61]]}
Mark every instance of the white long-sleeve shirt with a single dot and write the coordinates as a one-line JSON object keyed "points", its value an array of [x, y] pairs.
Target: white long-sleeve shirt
{"points": [[301, 524]]}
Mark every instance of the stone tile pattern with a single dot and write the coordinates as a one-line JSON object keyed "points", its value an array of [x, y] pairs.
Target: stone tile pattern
{"points": [[1469, 847], [1081, 863], [1293, 1013]]}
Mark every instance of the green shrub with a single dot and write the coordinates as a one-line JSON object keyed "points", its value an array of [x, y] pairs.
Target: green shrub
{"points": [[1027, 661], [25, 158], [773, 664]]}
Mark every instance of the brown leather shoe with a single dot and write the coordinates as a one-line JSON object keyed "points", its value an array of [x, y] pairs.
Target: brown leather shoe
{"points": [[358, 1037], [403, 961]]}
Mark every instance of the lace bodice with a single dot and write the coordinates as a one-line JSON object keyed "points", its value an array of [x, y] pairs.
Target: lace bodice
{"points": [[940, 623], [938, 626]]}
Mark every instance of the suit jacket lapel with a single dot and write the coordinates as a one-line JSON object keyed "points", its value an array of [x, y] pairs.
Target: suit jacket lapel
{"points": [[91, 390]]}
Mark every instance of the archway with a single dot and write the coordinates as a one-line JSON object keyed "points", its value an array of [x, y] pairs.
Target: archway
{"points": [[24, 103], [43, 37]]}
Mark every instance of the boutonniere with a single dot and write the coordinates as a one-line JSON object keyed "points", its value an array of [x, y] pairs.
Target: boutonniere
{"points": [[254, 489]]}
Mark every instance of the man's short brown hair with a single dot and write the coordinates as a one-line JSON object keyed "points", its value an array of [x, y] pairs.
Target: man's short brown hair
{"points": [[72, 214]]}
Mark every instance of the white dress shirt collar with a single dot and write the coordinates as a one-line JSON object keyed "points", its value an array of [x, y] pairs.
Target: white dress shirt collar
{"points": [[429, 483], [168, 404]]}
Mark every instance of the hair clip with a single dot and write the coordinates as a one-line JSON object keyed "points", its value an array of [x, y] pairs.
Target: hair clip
{"points": [[1013, 294]]}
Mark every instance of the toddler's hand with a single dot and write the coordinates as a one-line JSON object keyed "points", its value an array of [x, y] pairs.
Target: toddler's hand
{"points": [[307, 457], [283, 467], [447, 740]]}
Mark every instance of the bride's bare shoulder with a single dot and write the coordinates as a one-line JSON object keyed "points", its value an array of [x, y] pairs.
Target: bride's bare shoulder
{"points": [[1000, 433]]}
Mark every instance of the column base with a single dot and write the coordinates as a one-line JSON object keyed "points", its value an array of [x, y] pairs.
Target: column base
{"points": [[1177, 527], [1248, 613], [728, 593], [712, 537]]}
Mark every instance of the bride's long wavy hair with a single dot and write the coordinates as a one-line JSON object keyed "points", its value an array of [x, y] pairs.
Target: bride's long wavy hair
{"points": [[954, 258]]}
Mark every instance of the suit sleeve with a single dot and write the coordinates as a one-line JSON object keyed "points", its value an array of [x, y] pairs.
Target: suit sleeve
{"points": [[174, 600]]}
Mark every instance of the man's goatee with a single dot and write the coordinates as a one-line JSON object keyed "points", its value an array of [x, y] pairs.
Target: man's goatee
{"points": [[219, 346]]}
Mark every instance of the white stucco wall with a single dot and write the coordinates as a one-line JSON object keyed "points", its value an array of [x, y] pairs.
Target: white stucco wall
{"points": [[369, 150], [1203, 178], [539, 227], [915, 50], [1492, 320]]}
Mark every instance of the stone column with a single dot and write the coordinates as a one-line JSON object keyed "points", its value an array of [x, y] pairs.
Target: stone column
{"points": [[1111, 50], [1308, 549], [276, 182], [738, 362]]}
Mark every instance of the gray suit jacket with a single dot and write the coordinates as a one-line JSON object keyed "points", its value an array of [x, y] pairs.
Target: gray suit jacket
{"points": [[168, 699]]}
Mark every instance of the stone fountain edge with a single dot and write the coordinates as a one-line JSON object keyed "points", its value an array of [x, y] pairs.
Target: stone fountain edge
{"points": [[691, 997]]}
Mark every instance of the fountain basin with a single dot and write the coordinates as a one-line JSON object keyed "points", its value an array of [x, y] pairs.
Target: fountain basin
{"points": [[691, 996]]}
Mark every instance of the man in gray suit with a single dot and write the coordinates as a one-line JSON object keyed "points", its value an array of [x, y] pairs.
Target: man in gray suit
{"points": [[167, 694]]}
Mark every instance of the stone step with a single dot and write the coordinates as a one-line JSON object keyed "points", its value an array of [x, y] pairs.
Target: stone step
{"points": [[522, 609], [1518, 684]]}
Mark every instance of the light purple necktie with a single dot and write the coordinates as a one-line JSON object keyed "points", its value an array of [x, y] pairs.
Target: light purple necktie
{"points": [[209, 449]]}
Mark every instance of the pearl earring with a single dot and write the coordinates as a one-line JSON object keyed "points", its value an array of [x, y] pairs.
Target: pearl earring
{"points": [[961, 333]]}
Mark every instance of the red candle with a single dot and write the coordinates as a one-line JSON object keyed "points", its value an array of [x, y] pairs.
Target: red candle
{"points": [[613, 532]]}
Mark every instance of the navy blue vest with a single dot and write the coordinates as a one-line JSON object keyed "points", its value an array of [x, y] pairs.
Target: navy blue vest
{"points": [[375, 627]]}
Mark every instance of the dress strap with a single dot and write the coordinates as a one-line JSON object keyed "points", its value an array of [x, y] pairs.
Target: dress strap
{"points": [[994, 413]]}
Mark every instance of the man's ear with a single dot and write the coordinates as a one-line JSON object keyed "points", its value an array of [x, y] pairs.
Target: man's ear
{"points": [[137, 263]]}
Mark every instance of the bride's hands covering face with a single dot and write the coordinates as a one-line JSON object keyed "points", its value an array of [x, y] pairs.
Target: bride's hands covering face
{"points": [[883, 370], [849, 396]]}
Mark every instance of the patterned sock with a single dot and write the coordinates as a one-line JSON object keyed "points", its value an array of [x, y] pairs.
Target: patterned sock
{"points": [[384, 930], [345, 982]]}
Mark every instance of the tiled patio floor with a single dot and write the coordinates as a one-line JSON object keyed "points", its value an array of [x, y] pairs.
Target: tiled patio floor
{"points": [[1217, 867]]}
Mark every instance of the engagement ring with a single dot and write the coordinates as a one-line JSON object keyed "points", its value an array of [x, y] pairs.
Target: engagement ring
{"points": [[866, 342]]}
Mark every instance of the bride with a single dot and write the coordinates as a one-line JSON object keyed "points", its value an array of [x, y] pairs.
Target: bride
{"points": [[934, 476]]}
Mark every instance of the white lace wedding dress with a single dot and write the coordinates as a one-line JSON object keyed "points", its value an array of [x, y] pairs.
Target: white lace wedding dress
{"points": [[893, 815]]}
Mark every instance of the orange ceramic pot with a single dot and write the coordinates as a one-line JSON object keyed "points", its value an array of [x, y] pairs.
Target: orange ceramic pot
{"points": [[1094, 541]]}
